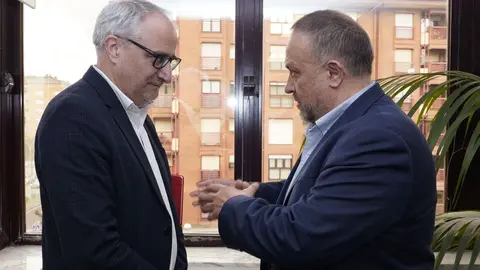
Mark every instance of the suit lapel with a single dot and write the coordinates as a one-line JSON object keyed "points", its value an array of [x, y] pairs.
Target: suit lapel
{"points": [[121, 118]]}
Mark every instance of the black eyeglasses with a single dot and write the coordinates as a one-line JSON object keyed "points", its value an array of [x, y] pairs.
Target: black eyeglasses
{"points": [[161, 59]]}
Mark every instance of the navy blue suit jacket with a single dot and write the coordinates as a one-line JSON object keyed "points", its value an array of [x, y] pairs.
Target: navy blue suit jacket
{"points": [[102, 208], [365, 200]]}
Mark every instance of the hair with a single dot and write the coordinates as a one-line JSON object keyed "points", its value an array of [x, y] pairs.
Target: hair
{"points": [[336, 35], [122, 17]]}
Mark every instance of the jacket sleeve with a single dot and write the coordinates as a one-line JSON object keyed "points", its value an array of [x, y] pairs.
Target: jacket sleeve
{"points": [[361, 191], [270, 191], [73, 163]]}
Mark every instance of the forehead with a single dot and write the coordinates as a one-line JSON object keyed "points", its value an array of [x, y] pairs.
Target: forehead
{"points": [[158, 33], [298, 48]]}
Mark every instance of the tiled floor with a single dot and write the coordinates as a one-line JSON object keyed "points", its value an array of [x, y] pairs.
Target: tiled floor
{"points": [[29, 258]]}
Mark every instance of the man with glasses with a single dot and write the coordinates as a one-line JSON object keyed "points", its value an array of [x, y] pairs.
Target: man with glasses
{"points": [[104, 175]]}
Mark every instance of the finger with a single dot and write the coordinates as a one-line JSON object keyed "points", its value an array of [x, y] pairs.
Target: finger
{"points": [[213, 216], [207, 208], [239, 184], [206, 197], [252, 189], [245, 185], [195, 193], [215, 181], [213, 188]]}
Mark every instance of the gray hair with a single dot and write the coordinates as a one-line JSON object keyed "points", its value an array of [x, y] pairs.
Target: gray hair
{"points": [[122, 17], [336, 35]]}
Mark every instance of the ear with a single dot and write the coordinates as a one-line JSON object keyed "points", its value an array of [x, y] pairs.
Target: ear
{"points": [[112, 48], [336, 73]]}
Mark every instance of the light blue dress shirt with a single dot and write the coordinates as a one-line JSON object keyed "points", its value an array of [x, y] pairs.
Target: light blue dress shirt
{"points": [[315, 132]]}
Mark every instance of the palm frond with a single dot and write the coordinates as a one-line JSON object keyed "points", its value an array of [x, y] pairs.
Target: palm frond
{"points": [[457, 231], [459, 108]]}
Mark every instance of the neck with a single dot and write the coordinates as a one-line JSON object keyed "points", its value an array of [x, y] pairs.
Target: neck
{"points": [[107, 69]]}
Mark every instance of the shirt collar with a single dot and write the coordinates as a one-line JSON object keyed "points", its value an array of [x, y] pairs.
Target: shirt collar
{"points": [[132, 110]]}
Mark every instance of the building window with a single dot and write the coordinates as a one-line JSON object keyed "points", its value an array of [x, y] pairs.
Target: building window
{"points": [[211, 56], [231, 161], [210, 129], [231, 124], [232, 88], [440, 197], [280, 131], [404, 26], [212, 25], [277, 57], [165, 97], [164, 130], [210, 87], [279, 166], [278, 97], [210, 167], [232, 51], [280, 25], [403, 61], [211, 94]]}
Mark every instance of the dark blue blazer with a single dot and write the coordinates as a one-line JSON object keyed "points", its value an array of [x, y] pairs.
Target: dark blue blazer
{"points": [[364, 200], [102, 208]]}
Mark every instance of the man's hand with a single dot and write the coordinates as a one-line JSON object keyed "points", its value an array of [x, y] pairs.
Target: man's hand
{"points": [[213, 197], [238, 184]]}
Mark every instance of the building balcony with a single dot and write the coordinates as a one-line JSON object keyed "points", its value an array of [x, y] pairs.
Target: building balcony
{"points": [[211, 101], [211, 63], [210, 138], [163, 101], [209, 174], [438, 33], [437, 66]]}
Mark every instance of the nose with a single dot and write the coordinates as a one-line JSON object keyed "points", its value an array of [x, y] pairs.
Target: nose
{"points": [[289, 87], [165, 73]]}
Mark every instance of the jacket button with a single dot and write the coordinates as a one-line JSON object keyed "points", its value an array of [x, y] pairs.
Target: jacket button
{"points": [[167, 231]]}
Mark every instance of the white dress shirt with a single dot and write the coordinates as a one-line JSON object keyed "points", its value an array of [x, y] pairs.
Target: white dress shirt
{"points": [[137, 117]]}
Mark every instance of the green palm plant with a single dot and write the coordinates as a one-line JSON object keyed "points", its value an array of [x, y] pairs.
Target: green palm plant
{"points": [[454, 231]]}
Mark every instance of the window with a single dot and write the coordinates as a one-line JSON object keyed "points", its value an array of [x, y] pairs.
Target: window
{"points": [[231, 161], [210, 167], [280, 131], [210, 94], [232, 88], [279, 166], [164, 130], [210, 87], [211, 25], [231, 125], [210, 131], [277, 57], [280, 25], [404, 26], [403, 61], [232, 51], [278, 97], [211, 56], [165, 96]]}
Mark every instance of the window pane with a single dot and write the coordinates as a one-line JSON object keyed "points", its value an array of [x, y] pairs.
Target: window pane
{"points": [[188, 130]]}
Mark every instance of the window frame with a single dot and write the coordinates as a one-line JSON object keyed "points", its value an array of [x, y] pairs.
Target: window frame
{"points": [[248, 31]]}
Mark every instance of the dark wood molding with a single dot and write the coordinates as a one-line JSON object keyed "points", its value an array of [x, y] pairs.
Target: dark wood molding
{"points": [[197, 240], [248, 89], [12, 194], [464, 41]]}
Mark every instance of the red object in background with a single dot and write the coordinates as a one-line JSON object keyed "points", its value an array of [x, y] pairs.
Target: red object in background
{"points": [[177, 189]]}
